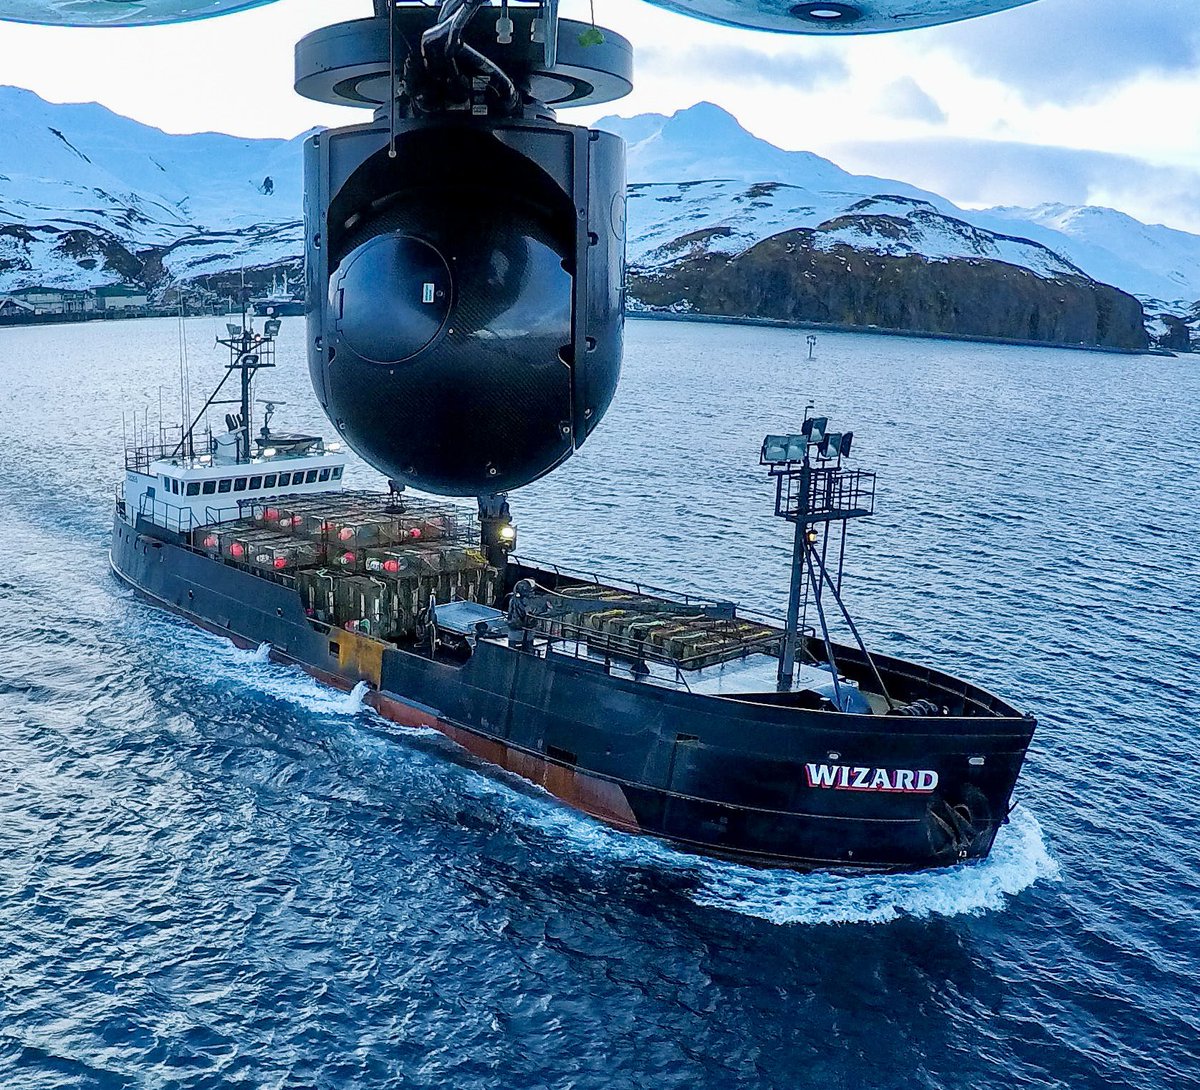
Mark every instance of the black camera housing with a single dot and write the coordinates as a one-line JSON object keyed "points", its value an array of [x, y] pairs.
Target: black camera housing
{"points": [[466, 295]]}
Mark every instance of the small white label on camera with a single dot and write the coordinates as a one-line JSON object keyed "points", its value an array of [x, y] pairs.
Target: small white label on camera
{"points": [[427, 293]]}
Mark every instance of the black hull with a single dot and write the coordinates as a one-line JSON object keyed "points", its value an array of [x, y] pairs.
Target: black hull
{"points": [[725, 777]]}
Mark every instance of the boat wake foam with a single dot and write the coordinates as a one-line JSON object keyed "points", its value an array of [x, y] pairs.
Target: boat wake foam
{"points": [[208, 655], [1018, 859], [292, 684]]}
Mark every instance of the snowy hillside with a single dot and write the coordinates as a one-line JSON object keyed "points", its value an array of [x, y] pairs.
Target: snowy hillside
{"points": [[706, 143], [88, 197], [667, 221], [89, 189], [1149, 260]]}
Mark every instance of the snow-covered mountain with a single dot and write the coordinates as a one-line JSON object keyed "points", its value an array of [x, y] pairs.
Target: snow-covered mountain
{"points": [[86, 193], [88, 197], [1150, 260], [705, 143]]}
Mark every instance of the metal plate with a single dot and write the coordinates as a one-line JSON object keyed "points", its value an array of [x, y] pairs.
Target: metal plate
{"points": [[347, 64]]}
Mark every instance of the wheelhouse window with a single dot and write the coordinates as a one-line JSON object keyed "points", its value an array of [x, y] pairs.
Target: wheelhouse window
{"points": [[337, 473], [311, 478], [224, 485], [284, 480], [239, 485], [324, 475], [175, 486], [193, 488], [269, 480], [255, 483], [209, 487]]}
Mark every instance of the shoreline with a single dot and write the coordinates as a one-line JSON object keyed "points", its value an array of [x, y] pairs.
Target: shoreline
{"points": [[644, 315], [836, 327]]}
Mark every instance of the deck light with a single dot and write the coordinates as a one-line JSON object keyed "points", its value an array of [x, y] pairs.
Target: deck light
{"points": [[269, 452], [831, 445], [814, 428], [774, 449], [507, 533], [781, 449], [836, 445]]}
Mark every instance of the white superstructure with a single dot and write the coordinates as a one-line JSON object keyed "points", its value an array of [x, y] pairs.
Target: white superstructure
{"points": [[182, 493], [196, 479]]}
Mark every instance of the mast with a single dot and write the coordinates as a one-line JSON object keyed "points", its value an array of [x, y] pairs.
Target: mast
{"points": [[248, 352], [247, 376], [814, 487]]}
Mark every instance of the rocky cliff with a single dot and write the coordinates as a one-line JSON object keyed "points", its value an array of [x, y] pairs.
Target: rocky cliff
{"points": [[795, 276]]}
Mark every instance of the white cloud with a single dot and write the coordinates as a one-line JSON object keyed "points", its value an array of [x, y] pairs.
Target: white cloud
{"points": [[1120, 77], [907, 99]]}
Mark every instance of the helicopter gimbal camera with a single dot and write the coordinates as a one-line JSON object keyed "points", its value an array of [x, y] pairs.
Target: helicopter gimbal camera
{"points": [[465, 250]]}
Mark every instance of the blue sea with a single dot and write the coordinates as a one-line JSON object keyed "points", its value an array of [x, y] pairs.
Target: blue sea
{"points": [[214, 872]]}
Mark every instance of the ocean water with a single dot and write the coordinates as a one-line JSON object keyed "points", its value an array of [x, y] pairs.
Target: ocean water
{"points": [[214, 872]]}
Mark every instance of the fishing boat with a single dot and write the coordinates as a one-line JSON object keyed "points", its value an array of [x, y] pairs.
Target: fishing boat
{"points": [[685, 718]]}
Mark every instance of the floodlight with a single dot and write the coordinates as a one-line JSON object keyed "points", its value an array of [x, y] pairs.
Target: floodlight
{"points": [[797, 448], [814, 428], [233, 329], [837, 444], [774, 449], [271, 327], [830, 445]]}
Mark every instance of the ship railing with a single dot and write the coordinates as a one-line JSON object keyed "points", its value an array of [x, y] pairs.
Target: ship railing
{"points": [[140, 456], [644, 590], [167, 515], [834, 493], [708, 642], [216, 516]]}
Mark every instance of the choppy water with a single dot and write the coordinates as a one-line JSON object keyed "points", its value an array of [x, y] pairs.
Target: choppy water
{"points": [[216, 873]]}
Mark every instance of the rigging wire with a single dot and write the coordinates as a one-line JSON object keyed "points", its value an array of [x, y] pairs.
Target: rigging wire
{"points": [[392, 78]]}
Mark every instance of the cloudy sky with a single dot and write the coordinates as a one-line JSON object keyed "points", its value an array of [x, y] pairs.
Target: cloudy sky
{"points": [[1081, 101]]}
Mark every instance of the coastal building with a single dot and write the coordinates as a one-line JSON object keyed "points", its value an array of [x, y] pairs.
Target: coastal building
{"points": [[120, 297], [55, 300], [15, 308]]}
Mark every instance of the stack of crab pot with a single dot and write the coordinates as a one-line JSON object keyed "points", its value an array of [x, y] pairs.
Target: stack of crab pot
{"points": [[368, 565]]}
